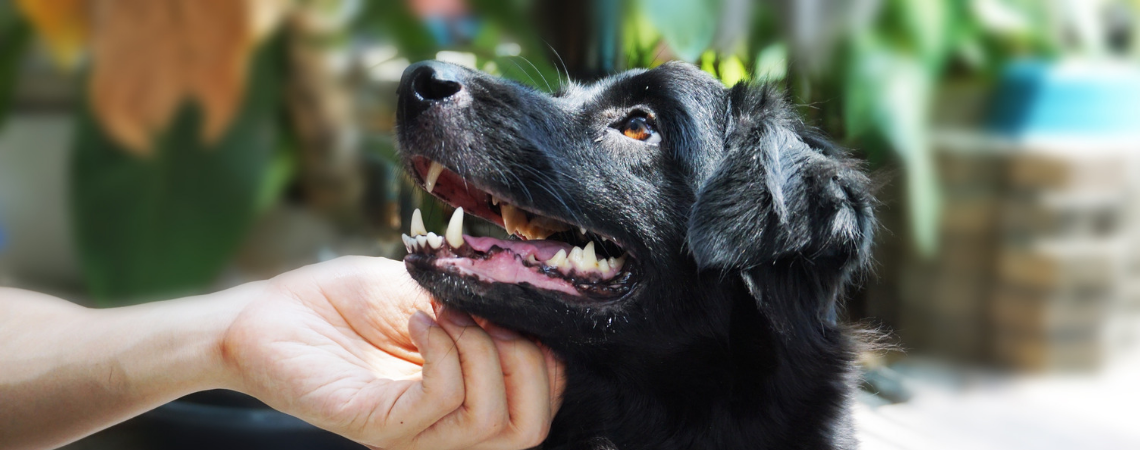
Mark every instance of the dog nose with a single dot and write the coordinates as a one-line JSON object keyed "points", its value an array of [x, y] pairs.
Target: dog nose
{"points": [[433, 81]]}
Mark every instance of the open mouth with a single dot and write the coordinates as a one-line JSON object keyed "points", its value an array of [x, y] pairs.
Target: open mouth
{"points": [[543, 252]]}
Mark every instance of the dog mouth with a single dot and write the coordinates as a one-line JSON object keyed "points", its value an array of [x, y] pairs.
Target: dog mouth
{"points": [[542, 252]]}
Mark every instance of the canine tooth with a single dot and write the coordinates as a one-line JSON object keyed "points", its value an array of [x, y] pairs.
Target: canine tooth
{"points": [[434, 240], [421, 241], [589, 259], [454, 233], [558, 260], [432, 176], [417, 228]]}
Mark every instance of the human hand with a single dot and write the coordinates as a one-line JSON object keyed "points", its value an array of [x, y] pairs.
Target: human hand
{"points": [[333, 344]]}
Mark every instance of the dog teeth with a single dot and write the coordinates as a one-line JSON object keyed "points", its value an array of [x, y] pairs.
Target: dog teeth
{"points": [[454, 234], [513, 218], [494, 200], [515, 222], [582, 230], [589, 259], [432, 176], [575, 258], [417, 228], [417, 243], [558, 260], [616, 263], [585, 260], [434, 240]]}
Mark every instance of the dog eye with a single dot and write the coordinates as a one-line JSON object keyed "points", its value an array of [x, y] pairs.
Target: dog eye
{"points": [[638, 127]]}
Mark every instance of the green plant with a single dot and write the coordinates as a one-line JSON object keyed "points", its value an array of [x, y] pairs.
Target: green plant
{"points": [[167, 223], [15, 34], [875, 84]]}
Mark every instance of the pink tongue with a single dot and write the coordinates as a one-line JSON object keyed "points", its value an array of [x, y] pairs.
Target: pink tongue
{"points": [[503, 268], [542, 250]]}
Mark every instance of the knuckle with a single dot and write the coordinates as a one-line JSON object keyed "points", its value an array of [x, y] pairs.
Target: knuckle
{"points": [[452, 398], [533, 436]]}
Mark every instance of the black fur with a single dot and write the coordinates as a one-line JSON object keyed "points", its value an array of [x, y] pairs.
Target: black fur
{"points": [[745, 226]]}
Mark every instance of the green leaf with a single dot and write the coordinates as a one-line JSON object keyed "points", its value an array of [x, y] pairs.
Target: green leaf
{"points": [[166, 224], [708, 62], [15, 34], [688, 26], [889, 95], [532, 66], [732, 71], [641, 38], [927, 24], [772, 62], [393, 19]]}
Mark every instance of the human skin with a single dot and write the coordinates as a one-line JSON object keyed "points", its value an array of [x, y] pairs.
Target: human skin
{"points": [[345, 345]]}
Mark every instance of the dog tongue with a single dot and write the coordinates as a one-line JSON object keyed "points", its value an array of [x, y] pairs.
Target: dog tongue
{"points": [[542, 250], [503, 268]]}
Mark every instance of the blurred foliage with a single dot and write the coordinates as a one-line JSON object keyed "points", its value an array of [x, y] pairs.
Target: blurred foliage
{"points": [[393, 20], [868, 77], [686, 26], [499, 22], [875, 86], [15, 34], [169, 222]]}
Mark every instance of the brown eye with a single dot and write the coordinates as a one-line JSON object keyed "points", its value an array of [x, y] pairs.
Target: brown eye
{"points": [[638, 127]]}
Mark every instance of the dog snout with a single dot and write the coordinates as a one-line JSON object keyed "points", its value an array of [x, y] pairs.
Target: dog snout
{"points": [[432, 81]]}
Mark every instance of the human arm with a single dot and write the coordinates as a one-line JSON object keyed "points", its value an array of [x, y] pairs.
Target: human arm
{"points": [[328, 343]]}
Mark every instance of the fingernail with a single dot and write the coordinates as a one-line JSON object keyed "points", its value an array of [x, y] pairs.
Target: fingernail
{"points": [[500, 333], [422, 320], [458, 318]]}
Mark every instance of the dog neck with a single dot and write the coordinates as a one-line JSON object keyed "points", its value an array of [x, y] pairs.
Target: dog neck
{"points": [[776, 376]]}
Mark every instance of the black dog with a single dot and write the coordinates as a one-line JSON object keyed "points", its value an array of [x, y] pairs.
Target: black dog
{"points": [[683, 247]]}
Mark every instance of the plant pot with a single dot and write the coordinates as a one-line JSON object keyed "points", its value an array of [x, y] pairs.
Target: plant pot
{"points": [[216, 420]]}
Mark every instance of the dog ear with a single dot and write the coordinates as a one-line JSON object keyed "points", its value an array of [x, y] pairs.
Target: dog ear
{"points": [[779, 193]]}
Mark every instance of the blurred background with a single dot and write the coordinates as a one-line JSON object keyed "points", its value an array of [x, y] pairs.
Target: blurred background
{"points": [[151, 149]]}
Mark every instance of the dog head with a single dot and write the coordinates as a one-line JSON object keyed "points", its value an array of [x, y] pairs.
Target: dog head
{"points": [[638, 202]]}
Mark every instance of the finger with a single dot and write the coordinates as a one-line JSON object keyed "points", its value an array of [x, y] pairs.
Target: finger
{"points": [[527, 389], [556, 371], [555, 368], [439, 393], [484, 413]]}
